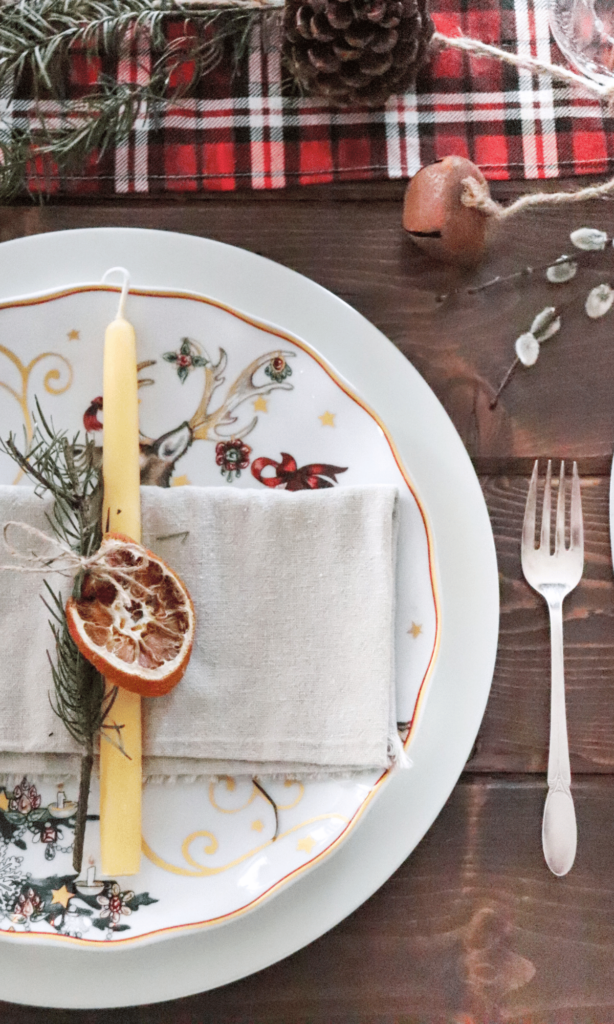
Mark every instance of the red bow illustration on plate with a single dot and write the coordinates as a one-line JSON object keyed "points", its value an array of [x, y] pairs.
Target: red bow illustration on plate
{"points": [[288, 475]]}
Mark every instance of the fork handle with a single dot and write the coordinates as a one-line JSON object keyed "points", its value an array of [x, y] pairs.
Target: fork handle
{"points": [[559, 830]]}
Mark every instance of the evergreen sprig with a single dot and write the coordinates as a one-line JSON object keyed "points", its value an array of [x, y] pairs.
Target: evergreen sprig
{"points": [[70, 471], [37, 38]]}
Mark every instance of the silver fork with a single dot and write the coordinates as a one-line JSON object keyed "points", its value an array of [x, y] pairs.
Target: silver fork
{"points": [[554, 576]]}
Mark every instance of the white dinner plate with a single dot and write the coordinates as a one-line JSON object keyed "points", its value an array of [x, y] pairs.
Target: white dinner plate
{"points": [[323, 338]]}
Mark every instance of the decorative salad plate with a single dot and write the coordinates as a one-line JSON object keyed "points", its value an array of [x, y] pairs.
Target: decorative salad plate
{"points": [[227, 398]]}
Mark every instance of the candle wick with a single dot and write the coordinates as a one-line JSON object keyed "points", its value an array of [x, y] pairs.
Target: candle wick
{"points": [[121, 309]]}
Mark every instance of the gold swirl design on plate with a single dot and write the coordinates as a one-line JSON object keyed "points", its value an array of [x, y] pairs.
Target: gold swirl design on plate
{"points": [[299, 796], [203, 870], [52, 383], [211, 848], [230, 786]]}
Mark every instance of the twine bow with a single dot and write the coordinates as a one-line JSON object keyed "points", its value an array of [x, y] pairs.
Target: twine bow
{"points": [[66, 562]]}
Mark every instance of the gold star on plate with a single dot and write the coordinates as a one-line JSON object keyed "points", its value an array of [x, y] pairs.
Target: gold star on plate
{"points": [[261, 404], [257, 825], [4, 803], [73, 335], [415, 629], [61, 896], [180, 481], [307, 844], [328, 419]]}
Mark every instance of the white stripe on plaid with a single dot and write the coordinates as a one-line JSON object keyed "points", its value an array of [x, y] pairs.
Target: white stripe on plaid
{"points": [[141, 127], [191, 115], [265, 114], [402, 140], [122, 150], [134, 66], [393, 138], [526, 94], [272, 46], [298, 107], [255, 122], [546, 107]]}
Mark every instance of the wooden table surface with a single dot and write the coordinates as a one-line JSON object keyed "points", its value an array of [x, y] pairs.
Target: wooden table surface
{"points": [[472, 929]]}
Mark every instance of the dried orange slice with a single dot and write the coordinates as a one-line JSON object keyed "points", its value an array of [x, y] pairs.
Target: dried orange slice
{"points": [[134, 619]]}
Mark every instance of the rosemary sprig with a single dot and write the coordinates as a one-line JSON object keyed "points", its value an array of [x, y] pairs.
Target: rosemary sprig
{"points": [[36, 41], [70, 471]]}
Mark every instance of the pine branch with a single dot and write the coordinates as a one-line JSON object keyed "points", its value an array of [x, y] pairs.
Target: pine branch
{"points": [[69, 470], [36, 35], [37, 38]]}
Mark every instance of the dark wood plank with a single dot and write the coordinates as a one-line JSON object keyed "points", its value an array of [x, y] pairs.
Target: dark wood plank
{"points": [[462, 346], [339, 191], [514, 733], [473, 929]]}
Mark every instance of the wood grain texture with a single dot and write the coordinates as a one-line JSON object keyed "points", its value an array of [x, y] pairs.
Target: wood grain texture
{"points": [[463, 345], [472, 929], [339, 191]]}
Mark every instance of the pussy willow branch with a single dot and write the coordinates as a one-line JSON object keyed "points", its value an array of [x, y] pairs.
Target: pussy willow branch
{"points": [[580, 256], [561, 305], [524, 272]]}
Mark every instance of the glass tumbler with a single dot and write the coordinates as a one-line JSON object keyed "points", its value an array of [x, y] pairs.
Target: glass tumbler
{"points": [[584, 32]]}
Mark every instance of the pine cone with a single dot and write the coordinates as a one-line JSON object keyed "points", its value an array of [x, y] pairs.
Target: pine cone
{"points": [[356, 51]]}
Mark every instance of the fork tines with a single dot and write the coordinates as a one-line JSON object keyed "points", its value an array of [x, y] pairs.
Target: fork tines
{"points": [[576, 539]]}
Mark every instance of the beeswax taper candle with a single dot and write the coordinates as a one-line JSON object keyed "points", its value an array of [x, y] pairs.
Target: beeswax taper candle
{"points": [[120, 775]]}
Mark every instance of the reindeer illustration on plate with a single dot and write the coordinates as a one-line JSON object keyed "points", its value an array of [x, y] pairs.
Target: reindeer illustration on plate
{"points": [[159, 455]]}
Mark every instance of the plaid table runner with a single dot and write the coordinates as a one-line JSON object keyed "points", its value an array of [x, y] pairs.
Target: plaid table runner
{"points": [[246, 130]]}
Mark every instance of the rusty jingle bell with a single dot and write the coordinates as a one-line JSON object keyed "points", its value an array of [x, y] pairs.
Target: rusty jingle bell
{"points": [[436, 219]]}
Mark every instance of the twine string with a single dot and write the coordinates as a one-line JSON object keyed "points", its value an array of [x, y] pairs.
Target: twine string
{"points": [[528, 63], [68, 563], [476, 195]]}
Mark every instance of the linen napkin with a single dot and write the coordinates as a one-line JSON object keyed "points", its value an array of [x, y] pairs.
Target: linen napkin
{"points": [[292, 670]]}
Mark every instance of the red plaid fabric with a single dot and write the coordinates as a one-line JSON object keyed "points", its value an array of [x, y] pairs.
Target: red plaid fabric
{"points": [[247, 131]]}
